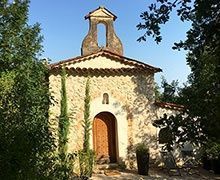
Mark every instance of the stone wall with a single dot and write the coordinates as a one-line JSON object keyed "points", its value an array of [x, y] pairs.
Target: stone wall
{"points": [[131, 101]]}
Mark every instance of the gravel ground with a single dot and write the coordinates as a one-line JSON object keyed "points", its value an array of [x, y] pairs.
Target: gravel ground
{"points": [[156, 174]]}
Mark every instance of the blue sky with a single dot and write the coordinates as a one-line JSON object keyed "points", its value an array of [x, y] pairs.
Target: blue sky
{"points": [[64, 27]]}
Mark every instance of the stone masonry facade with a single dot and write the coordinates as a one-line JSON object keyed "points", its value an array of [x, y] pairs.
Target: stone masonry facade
{"points": [[129, 84], [131, 101]]}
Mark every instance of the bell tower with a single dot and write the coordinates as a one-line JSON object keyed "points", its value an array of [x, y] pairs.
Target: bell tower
{"points": [[90, 42]]}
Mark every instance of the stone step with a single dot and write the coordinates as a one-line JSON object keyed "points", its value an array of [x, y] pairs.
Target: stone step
{"points": [[107, 166], [102, 168]]}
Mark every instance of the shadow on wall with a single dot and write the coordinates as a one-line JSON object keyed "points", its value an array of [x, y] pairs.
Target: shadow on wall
{"points": [[140, 111], [131, 149], [141, 114]]}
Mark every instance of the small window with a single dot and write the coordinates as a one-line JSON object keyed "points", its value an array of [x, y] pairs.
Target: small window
{"points": [[105, 99]]}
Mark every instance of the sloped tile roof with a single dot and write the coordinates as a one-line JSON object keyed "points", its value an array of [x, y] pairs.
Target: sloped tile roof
{"points": [[124, 60], [170, 105]]}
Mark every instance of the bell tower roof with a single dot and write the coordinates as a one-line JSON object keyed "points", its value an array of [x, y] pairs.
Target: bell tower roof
{"points": [[103, 16], [101, 11]]}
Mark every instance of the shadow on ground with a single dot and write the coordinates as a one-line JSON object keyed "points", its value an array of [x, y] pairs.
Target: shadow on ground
{"points": [[158, 173]]}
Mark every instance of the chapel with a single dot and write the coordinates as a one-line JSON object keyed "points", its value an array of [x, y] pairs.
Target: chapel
{"points": [[122, 106]]}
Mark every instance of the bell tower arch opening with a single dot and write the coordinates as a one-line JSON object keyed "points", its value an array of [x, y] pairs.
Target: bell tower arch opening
{"points": [[101, 35], [92, 42]]}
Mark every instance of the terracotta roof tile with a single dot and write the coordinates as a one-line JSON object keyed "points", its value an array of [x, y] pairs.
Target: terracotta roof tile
{"points": [[104, 71], [102, 52], [170, 105]]}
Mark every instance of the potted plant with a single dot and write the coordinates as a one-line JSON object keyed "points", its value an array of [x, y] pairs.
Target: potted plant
{"points": [[142, 154]]}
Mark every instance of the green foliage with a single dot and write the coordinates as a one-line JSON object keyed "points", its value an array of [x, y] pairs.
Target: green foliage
{"points": [[200, 121], [63, 119], [165, 136], [86, 155], [202, 97], [26, 144], [169, 91], [212, 149], [64, 169], [157, 92], [181, 129], [86, 163], [202, 13], [19, 42], [86, 121], [142, 148], [171, 131], [6, 84]]}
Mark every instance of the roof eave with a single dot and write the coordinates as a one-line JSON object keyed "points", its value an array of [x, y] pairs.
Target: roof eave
{"points": [[109, 53], [172, 106]]}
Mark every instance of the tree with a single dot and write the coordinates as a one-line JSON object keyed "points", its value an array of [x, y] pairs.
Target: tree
{"points": [[64, 119], [169, 91], [65, 163], [87, 121], [202, 94], [86, 155], [26, 144]]}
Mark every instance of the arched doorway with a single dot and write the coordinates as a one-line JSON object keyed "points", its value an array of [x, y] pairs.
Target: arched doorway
{"points": [[104, 137]]}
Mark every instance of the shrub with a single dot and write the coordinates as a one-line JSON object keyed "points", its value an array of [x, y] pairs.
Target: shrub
{"points": [[86, 163], [212, 150], [142, 148], [64, 166]]}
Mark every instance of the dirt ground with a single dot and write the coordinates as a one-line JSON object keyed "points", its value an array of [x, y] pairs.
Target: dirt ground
{"points": [[156, 173]]}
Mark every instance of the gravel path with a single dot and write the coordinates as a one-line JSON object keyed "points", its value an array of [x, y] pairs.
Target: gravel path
{"points": [[158, 174]]}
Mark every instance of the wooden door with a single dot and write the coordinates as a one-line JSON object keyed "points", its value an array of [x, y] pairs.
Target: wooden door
{"points": [[104, 142]]}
